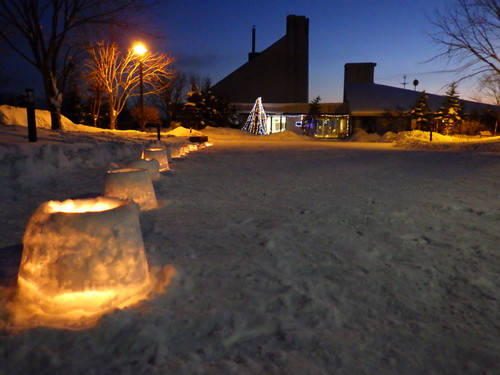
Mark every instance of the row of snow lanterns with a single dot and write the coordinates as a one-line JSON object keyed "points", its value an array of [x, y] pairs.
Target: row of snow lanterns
{"points": [[85, 257]]}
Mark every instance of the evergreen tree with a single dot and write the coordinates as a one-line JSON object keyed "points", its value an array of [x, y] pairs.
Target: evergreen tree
{"points": [[450, 114], [309, 125], [194, 109], [203, 108], [421, 112]]}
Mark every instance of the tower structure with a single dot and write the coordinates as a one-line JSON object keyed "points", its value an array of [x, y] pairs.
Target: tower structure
{"points": [[279, 74]]}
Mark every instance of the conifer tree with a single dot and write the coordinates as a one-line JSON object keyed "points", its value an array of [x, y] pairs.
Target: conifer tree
{"points": [[194, 109], [450, 114], [421, 112], [314, 112]]}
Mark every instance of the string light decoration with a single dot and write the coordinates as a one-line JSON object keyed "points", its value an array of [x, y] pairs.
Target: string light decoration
{"points": [[256, 122]]}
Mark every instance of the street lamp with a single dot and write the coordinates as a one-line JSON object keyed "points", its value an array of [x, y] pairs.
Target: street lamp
{"points": [[140, 50]]}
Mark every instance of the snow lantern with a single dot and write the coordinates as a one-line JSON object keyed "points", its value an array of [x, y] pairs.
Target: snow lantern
{"points": [[158, 153], [179, 151], [131, 183], [151, 165], [81, 258], [192, 147], [169, 154]]}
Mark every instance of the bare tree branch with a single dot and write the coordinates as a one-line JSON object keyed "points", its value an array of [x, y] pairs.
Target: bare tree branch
{"points": [[117, 74], [469, 32], [45, 28]]}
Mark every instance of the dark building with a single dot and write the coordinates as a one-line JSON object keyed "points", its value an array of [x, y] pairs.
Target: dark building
{"points": [[279, 74], [380, 108]]}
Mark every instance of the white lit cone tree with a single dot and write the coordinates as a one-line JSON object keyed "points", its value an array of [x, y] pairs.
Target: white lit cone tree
{"points": [[256, 122]]}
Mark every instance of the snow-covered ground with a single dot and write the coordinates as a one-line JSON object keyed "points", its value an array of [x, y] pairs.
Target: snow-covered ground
{"points": [[293, 256]]}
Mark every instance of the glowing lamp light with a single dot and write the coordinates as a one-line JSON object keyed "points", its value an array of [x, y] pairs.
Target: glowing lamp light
{"points": [[151, 165], [131, 183], [140, 49], [81, 259], [158, 153]]}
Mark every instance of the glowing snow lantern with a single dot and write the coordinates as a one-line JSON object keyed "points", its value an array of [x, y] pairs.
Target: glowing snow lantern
{"points": [[131, 183], [81, 258], [151, 165], [158, 153], [176, 152], [169, 154], [192, 147]]}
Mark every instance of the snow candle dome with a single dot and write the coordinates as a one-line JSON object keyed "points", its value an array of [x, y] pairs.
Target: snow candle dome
{"points": [[152, 166], [131, 183], [158, 153], [81, 258]]}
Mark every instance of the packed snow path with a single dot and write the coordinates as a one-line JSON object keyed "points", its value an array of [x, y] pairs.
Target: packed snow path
{"points": [[295, 258]]}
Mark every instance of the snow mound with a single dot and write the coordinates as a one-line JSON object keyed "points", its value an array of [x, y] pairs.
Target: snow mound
{"points": [[362, 136], [418, 139], [17, 116], [226, 133], [288, 135], [181, 131]]}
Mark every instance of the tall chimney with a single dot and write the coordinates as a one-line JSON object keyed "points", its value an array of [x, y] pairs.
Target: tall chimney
{"points": [[253, 39], [253, 54]]}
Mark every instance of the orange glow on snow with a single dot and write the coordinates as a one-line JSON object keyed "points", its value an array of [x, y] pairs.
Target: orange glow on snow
{"points": [[82, 205]]}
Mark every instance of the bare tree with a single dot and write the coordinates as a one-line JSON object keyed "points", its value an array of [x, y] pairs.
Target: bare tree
{"points": [[44, 29], [489, 87], [170, 99], [117, 74], [469, 32]]}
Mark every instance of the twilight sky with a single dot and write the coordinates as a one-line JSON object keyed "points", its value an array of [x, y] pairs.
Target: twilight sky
{"points": [[213, 38]]}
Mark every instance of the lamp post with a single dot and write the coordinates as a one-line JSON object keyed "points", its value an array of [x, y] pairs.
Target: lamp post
{"points": [[140, 50]]}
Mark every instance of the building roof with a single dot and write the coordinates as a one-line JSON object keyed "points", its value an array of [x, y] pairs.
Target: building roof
{"points": [[371, 99]]}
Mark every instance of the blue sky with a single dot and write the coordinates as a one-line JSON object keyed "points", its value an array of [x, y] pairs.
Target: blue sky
{"points": [[213, 37]]}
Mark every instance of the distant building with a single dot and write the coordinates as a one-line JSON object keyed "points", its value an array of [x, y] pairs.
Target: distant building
{"points": [[279, 75], [380, 108]]}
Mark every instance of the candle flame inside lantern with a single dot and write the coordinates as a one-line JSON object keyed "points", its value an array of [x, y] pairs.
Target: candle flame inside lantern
{"points": [[81, 259]]}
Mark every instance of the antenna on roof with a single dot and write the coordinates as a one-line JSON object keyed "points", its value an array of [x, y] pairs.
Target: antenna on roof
{"points": [[404, 83], [415, 83]]}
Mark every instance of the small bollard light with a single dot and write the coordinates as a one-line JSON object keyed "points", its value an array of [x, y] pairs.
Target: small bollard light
{"points": [[30, 114]]}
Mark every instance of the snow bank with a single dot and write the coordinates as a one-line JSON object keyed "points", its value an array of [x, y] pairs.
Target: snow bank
{"points": [[75, 146], [17, 116], [417, 139]]}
